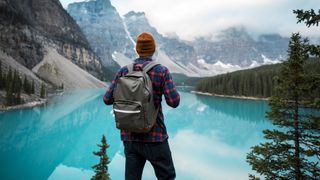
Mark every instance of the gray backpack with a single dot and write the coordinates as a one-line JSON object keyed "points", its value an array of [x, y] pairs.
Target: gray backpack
{"points": [[133, 105]]}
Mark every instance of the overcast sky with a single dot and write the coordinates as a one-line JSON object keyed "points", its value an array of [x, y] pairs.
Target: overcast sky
{"points": [[192, 18]]}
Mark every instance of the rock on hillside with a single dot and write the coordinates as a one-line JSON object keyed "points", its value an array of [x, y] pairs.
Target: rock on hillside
{"points": [[58, 70]]}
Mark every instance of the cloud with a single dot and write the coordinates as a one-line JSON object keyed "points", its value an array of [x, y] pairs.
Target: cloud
{"points": [[193, 18], [66, 2]]}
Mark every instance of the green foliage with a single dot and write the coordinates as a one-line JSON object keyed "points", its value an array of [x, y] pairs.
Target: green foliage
{"points": [[252, 177], [292, 151], [2, 81], [256, 82], [32, 87], [17, 84], [26, 85], [13, 88], [101, 169], [9, 90], [310, 17], [43, 91]]}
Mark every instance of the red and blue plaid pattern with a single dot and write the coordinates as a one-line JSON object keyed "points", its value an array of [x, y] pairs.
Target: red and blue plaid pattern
{"points": [[162, 83]]}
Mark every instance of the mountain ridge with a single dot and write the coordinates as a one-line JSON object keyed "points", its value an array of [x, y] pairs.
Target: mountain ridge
{"points": [[28, 28], [234, 50]]}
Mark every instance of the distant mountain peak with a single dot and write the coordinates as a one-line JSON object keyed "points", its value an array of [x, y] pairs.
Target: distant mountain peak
{"points": [[93, 6], [133, 13], [240, 33]]}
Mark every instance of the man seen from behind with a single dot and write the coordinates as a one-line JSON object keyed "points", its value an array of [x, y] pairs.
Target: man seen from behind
{"points": [[153, 145]]}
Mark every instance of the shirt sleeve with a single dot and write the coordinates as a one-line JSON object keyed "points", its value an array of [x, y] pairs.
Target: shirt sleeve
{"points": [[108, 97], [169, 90]]}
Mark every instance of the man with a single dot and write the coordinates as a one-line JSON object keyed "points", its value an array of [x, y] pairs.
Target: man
{"points": [[152, 146]]}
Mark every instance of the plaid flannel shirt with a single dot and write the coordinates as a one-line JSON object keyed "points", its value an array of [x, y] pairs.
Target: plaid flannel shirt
{"points": [[162, 83]]}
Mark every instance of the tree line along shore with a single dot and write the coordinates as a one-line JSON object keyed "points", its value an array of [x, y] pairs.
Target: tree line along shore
{"points": [[17, 91], [256, 83]]}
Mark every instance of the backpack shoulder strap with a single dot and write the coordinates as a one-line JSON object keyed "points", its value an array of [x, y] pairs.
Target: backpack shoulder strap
{"points": [[130, 68], [149, 66]]}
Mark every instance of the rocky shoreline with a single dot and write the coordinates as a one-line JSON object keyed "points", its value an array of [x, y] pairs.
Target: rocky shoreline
{"points": [[25, 105], [29, 101], [227, 96]]}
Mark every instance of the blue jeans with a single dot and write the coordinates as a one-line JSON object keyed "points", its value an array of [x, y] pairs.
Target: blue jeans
{"points": [[158, 154]]}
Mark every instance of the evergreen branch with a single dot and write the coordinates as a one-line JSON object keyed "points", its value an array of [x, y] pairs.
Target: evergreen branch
{"points": [[309, 17]]}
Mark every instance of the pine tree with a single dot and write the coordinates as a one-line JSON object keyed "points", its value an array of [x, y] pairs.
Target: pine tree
{"points": [[32, 87], [2, 85], [9, 77], [293, 149], [26, 85], [101, 169], [43, 91], [9, 88], [9, 96], [310, 18], [16, 88]]}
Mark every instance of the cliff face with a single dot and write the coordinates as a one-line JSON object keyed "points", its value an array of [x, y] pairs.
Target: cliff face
{"points": [[26, 26], [49, 17], [42, 42], [104, 28]]}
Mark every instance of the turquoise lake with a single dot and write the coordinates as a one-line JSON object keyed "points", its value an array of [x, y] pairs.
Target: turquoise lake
{"points": [[209, 138]]}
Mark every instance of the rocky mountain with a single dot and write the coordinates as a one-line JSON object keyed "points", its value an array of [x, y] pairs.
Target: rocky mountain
{"points": [[104, 29], [235, 46], [113, 38], [31, 29], [233, 49]]}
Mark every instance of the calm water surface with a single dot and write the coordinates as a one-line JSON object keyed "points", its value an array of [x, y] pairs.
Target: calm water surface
{"points": [[209, 138]]}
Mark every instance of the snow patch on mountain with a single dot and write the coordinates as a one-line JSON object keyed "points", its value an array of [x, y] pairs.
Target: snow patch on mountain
{"points": [[216, 68], [199, 69], [129, 34], [266, 61], [270, 61], [253, 65]]}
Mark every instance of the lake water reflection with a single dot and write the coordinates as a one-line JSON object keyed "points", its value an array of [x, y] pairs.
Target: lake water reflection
{"points": [[209, 137]]}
